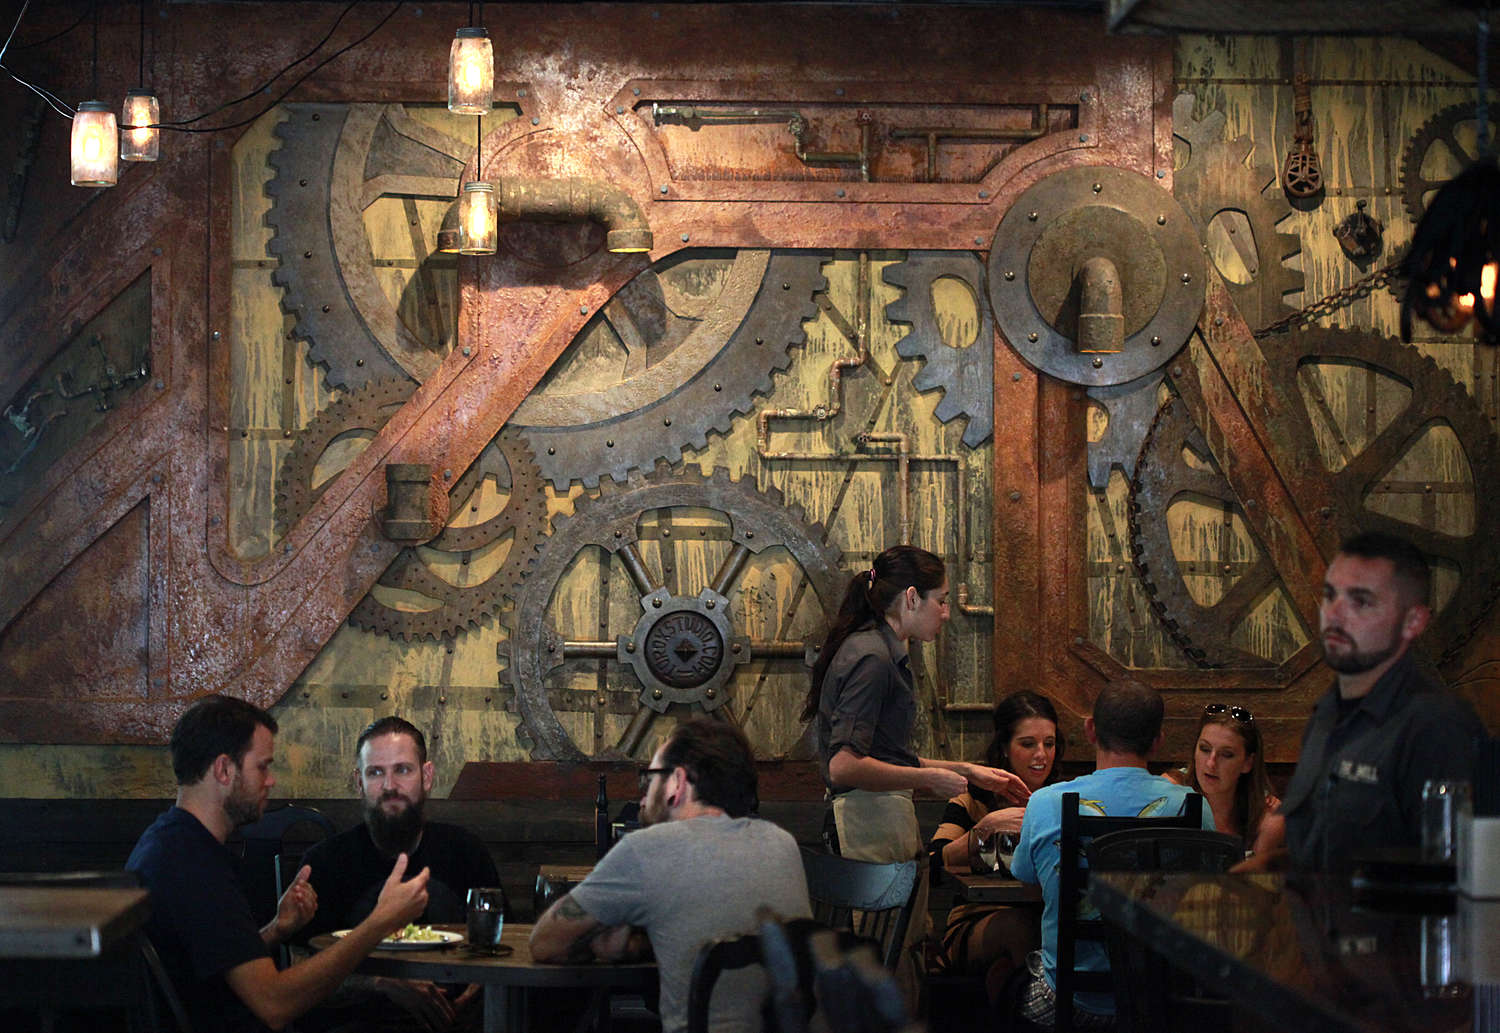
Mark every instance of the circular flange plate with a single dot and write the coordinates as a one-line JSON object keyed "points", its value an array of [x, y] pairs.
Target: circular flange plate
{"points": [[1077, 214]]}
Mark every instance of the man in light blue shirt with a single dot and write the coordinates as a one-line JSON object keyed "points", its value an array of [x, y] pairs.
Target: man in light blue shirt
{"points": [[1125, 728]]}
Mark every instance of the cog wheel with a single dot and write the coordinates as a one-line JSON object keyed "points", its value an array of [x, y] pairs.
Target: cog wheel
{"points": [[1163, 475], [682, 649], [1130, 408], [693, 339], [1447, 143], [412, 600], [1435, 399], [357, 414], [1216, 181], [336, 161], [964, 373]]}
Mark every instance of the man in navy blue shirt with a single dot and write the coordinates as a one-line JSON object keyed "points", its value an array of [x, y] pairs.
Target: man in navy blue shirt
{"points": [[201, 923]]}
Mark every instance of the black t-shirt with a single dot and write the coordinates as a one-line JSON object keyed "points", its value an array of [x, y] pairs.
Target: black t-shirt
{"points": [[348, 873], [200, 923]]}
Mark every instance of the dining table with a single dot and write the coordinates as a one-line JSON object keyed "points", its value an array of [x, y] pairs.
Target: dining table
{"points": [[1310, 953], [993, 888], [511, 979], [71, 948]]}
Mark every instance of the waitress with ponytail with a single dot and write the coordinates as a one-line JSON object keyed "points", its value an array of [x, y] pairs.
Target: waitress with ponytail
{"points": [[864, 701]]}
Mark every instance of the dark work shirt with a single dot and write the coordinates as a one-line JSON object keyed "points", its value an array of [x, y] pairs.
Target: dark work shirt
{"points": [[348, 873], [868, 702], [201, 923], [1359, 777]]}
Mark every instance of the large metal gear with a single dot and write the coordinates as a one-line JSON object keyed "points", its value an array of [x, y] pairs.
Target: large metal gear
{"points": [[1162, 476], [682, 649], [684, 373], [334, 162], [1215, 180], [964, 372], [411, 600], [1447, 143]]}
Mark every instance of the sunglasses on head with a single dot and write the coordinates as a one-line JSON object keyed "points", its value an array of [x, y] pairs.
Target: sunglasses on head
{"points": [[1238, 713]]}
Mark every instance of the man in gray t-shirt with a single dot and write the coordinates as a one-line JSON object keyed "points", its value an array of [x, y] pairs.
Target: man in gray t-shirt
{"points": [[696, 874]]}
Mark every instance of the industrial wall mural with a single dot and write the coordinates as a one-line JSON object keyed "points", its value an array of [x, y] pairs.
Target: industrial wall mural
{"points": [[1074, 330]]}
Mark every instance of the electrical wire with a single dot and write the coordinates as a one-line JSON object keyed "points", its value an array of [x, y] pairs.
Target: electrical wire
{"points": [[177, 127], [267, 84], [48, 39], [13, 29], [57, 105], [185, 125]]}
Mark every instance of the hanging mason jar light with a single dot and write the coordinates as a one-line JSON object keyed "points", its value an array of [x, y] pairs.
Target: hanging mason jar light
{"points": [[471, 72], [95, 146], [477, 219], [140, 140]]}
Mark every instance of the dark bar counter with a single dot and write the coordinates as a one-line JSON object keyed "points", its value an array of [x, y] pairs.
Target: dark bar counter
{"points": [[1305, 954]]}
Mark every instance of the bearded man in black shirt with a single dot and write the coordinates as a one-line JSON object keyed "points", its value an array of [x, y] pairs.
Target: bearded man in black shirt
{"points": [[394, 777]]}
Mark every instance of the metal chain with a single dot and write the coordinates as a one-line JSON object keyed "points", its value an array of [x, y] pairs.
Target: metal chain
{"points": [[1341, 298]]}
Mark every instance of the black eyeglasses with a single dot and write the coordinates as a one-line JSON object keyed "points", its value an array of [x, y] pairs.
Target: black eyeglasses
{"points": [[644, 775], [1240, 714]]}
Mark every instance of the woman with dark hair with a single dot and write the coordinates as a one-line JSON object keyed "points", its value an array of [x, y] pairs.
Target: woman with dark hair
{"points": [[991, 939], [1227, 769], [863, 700]]}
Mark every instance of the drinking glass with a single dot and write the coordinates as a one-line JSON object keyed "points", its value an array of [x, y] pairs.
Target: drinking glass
{"points": [[1445, 803], [988, 853], [1006, 851], [486, 918]]}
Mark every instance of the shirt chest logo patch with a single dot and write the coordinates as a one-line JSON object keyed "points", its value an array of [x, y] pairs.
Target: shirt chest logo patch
{"points": [[1353, 771]]}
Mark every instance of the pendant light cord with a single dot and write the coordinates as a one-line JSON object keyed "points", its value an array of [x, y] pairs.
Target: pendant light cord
{"points": [[95, 91], [1482, 104], [141, 79]]}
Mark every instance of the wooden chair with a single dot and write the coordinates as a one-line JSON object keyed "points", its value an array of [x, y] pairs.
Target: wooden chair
{"points": [[1149, 994], [264, 855], [1072, 885], [873, 901], [781, 948]]}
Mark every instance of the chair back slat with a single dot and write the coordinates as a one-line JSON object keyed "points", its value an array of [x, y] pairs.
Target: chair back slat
{"points": [[873, 901]]}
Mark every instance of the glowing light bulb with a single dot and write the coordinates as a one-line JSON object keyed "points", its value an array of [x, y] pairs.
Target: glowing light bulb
{"points": [[471, 72], [95, 146], [139, 141], [477, 220]]}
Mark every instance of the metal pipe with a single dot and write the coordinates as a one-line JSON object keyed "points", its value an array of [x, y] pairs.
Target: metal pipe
{"points": [[1101, 307], [572, 200]]}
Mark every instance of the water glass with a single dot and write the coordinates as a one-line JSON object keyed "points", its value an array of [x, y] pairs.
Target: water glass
{"points": [[987, 847], [486, 918], [1006, 851], [1445, 803]]}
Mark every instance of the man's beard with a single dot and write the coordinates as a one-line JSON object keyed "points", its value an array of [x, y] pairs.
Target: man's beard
{"points": [[394, 833], [1356, 662], [240, 808]]}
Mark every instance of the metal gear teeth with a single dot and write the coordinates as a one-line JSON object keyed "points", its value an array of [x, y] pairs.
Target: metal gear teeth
{"points": [[964, 374], [470, 606], [1216, 179], [308, 270], [366, 409], [705, 403], [1441, 127]]}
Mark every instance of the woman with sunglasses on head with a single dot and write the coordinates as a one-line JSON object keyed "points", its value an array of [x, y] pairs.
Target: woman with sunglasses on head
{"points": [[1227, 769], [863, 703], [991, 939]]}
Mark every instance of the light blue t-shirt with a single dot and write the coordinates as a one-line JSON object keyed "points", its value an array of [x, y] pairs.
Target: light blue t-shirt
{"points": [[1115, 792]]}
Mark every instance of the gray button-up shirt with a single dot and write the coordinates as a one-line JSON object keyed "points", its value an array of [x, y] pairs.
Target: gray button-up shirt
{"points": [[868, 701], [1359, 780]]}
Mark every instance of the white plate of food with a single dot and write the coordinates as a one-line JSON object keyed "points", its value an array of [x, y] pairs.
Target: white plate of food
{"points": [[414, 938]]}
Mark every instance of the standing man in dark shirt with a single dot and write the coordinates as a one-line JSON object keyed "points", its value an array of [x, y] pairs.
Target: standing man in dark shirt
{"points": [[201, 923], [393, 776], [1387, 726]]}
